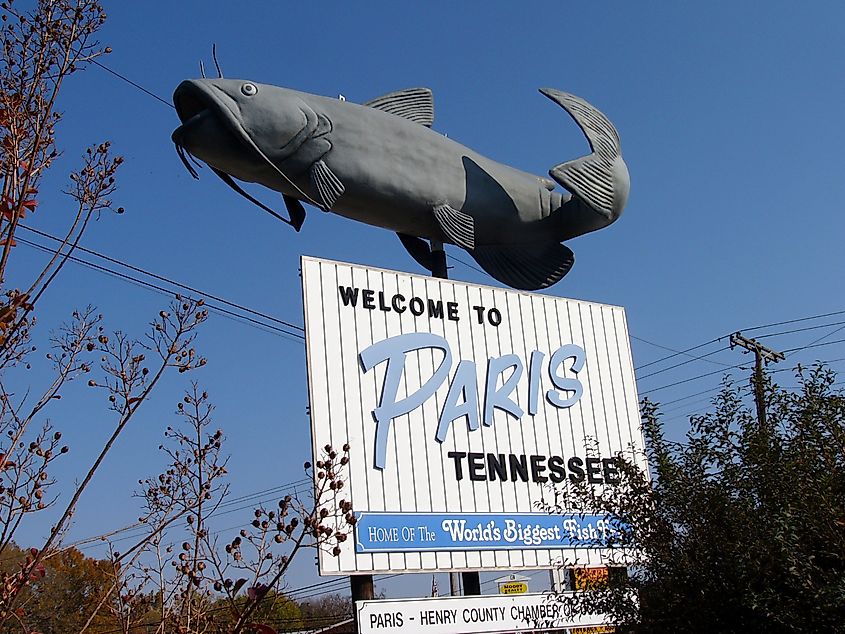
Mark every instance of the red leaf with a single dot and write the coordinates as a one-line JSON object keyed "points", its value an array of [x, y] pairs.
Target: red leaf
{"points": [[30, 204], [3, 242], [261, 629]]}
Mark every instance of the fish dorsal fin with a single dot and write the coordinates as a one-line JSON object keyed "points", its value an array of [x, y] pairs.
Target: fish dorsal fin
{"points": [[526, 267], [415, 104]]}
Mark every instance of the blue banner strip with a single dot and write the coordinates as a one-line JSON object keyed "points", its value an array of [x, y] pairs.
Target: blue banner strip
{"points": [[377, 532]]}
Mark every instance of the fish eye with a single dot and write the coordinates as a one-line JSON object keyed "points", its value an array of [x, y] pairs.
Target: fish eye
{"points": [[249, 89]]}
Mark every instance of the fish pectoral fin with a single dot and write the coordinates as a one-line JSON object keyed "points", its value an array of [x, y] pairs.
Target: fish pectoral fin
{"points": [[528, 267], [458, 226], [327, 185], [295, 210], [419, 249], [414, 104]]}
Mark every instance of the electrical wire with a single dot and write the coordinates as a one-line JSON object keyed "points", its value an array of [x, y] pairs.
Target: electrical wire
{"points": [[262, 495], [161, 278], [132, 83], [676, 353], [814, 345], [678, 365], [694, 378], [218, 309], [793, 321], [796, 330]]}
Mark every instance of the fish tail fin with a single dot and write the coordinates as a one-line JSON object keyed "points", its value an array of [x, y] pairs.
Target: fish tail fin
{"points": [[601, 179]]}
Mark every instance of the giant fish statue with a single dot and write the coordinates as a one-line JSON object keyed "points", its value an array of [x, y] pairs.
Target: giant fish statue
{"points": [[380, 163]]}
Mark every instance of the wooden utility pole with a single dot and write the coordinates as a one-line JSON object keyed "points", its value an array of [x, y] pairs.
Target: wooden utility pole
{"points": [[762, 354]]}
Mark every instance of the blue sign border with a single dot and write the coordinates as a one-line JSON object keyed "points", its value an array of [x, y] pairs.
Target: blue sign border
{"points": [[377, 532]]}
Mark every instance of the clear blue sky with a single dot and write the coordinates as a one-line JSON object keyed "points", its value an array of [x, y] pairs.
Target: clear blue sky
{"points": [[731, 122]]}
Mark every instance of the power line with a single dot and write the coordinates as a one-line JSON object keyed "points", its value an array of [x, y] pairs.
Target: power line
{"points": [[132, 83], [752, 328], [262, 495], [822, 338], [676, 352], [771, 334], [167, 280], [468, 265], [795, 321], [223, 311], [677, 365], [795, 330], [694, 378], [814, 345]]}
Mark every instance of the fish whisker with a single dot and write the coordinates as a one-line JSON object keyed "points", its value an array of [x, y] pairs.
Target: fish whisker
{"points": [[184, 155], [202, 70], [231, 183], [216, 64]]}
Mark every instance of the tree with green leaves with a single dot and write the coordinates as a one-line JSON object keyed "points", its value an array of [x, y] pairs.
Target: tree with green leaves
{"points": [[741, 527]]}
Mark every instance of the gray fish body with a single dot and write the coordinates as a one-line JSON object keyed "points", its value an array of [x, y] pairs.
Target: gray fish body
{"points": [[379, 164], [412, 169]]}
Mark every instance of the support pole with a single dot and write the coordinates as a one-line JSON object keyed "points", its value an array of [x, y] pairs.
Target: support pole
{"points": [[470, 580], [761, 354], [557, 581], [472, 583], [362, 590], [438, 257], [455, 584]]}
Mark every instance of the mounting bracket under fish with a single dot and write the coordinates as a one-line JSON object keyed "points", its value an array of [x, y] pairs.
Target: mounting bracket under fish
{"points": [[380, 163]]}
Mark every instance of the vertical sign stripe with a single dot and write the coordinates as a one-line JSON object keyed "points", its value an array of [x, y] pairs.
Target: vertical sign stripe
{"points": [[541, 388]]}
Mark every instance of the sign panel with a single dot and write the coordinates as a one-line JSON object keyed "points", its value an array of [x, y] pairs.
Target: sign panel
{"points": [[590, 578], [462, 405], [455, 615], [513, 587], [401, 532]]}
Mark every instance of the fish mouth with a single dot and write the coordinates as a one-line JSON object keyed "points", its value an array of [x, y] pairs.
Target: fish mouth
{"points": [[210, 125], [210, 131], [194, 99], [213, 129]]}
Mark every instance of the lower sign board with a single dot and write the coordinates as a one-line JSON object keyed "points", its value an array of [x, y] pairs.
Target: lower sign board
{"points": [[458, 615]]}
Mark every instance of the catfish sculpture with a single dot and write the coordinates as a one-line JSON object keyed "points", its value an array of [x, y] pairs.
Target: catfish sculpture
{"points": [[380, 163]]}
